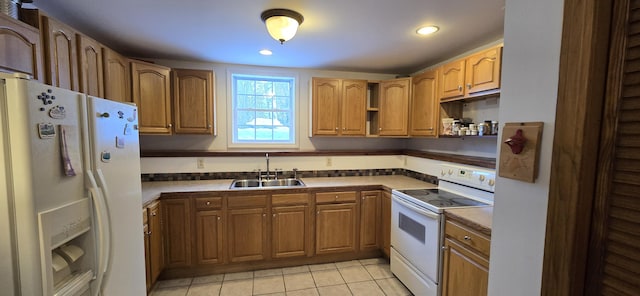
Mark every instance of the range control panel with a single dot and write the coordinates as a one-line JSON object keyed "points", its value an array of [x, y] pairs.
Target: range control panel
{"points": [[472, 177]]}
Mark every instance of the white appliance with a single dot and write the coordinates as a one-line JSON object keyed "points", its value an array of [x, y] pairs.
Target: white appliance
{"points": [[70, 193], [417, 228]]}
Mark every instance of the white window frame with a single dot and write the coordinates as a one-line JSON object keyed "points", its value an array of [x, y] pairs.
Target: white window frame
{"points": [[294, 108]]}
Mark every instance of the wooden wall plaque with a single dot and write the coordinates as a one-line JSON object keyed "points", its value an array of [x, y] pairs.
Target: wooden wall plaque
{"points": [[520, 151]]}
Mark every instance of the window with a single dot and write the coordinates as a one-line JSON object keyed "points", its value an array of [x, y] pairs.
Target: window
{"points": [[263, 109]]}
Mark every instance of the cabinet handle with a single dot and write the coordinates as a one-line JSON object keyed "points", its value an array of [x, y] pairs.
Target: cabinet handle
{"points": [[444, 248], [466, 237], [264, 215], [208, 203], [154, 214], [337, 128], [469, 85], [274, 215], [170, 125], [318, 212], [380, 129], [459, 87], [430, 129], [218, 217], [149, 233], [209, 126]]}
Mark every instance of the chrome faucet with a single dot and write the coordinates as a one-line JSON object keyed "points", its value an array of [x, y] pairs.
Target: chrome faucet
{"points": [[267, 157]]}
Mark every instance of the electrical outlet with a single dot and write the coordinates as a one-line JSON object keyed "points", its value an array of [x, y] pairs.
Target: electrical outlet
{"points": [[200, 163], [405, 161], [329, 162]]}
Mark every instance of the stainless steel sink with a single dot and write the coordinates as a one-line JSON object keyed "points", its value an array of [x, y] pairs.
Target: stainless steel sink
{"points": [[253, 183]]}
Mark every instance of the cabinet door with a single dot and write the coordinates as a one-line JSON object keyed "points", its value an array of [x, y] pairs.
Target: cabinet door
{"points": [[60, 54], [354, 109], [452, 80], [247, 234], [21, 48], [483, 71], [464, 273], [394, 107], [156, 252], [326, 106], [425, 105], [151, 92], [386, 223], [336, 228], [90, 66], [209, 237], [290, 231], [177, 230], [369, 221], [117, 76], [147, 255], [193, 101]]}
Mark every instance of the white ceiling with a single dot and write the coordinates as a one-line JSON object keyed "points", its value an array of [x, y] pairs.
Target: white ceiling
{"points": [[352, 35]]}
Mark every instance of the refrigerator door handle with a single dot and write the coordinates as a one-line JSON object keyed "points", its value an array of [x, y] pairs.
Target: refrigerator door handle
{"points": [[104, 233]]}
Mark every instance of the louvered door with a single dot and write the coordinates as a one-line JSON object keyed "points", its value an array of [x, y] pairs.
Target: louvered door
{"points": [[614, 254]]}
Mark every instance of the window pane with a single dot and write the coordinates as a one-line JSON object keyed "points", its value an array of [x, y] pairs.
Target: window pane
{"points": [[263, 109], [245, 102]]}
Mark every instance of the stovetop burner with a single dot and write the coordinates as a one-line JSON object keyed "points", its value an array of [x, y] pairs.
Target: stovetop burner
{"points": [[440, 199]]}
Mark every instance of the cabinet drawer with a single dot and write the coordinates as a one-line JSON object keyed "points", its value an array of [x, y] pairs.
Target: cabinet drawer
{"points": [[290, 199], [329, 197], [468, 237], [208, 203], [247, 201]]}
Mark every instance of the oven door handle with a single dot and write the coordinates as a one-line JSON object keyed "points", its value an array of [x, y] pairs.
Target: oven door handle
{"points": [[427, 213]]}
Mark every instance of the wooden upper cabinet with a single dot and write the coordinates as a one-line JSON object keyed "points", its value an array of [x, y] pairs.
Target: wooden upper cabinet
{"points": [[193, 101], [354, 109], [21, 48], [61, 60], [339, 107], [151, 92], [452, 79], [117, 76], [425, 105], [473, 76], [483, 71], [90, 66], [394, 107], [326, 106]]}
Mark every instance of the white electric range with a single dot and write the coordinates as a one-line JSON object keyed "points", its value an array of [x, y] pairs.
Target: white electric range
{"points": [[417, 228]]}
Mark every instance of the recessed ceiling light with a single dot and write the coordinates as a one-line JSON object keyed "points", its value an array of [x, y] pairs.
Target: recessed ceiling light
{"points": [[266, 52], [426, 30]]}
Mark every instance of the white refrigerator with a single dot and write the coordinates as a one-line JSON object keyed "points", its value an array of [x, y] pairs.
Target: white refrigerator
{"points": [[70, 193]]}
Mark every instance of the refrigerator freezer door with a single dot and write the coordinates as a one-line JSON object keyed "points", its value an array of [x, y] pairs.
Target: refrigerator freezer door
{"points": [[43, 128], [115, 157]]}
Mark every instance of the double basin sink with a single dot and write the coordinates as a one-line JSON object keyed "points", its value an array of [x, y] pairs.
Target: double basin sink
{"points": [[256, 183]]}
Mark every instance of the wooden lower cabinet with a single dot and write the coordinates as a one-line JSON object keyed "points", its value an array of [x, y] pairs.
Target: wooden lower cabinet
{"points": [[465, 261], [147, 254], [247, 234], [336, 228], [386, 222], [209, 243], [153, 250], [290, 231], [177, 230], [369, 220]]}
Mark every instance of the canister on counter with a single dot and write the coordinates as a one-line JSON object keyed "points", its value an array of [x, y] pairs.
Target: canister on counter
{"points": [[483, 129]]}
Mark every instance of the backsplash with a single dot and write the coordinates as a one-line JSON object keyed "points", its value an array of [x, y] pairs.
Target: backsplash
{"points": [[288, 174]]}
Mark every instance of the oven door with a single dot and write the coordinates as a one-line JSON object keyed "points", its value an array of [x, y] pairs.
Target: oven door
{"points": [[415, 235]]}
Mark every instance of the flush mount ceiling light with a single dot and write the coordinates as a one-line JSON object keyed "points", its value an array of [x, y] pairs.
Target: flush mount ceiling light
{"points": [[282, 24], [426, 30], [266, 52]]}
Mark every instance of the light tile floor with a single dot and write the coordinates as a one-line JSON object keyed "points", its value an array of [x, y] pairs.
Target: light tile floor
{"points": [[358, 277]]}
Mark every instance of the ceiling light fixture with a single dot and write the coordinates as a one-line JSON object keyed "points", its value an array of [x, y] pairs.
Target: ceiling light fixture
{"points": [[266, 52], [282, 24], [426, 30]]}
